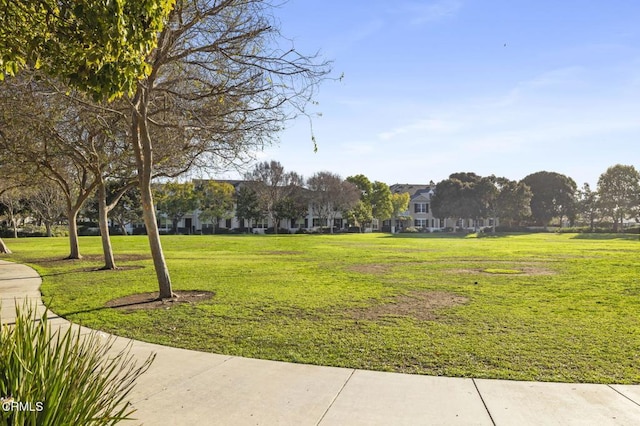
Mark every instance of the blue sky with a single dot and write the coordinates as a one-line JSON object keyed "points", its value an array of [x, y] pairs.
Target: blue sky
{"points": [[488, 86]]}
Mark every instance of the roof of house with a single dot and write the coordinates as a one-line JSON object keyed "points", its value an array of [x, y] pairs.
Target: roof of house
{"points": [[414, 190]]}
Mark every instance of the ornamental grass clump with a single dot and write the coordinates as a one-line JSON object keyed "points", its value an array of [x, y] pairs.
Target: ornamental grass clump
{"points": [[51, 377]]}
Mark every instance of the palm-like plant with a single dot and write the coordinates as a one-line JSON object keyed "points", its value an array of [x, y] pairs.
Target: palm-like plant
{"points": [[50, 377]]}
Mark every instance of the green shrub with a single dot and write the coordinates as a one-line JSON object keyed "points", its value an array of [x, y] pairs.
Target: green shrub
{"points": [[633, 230], [52, 378], [272, 230], [410, 230]]}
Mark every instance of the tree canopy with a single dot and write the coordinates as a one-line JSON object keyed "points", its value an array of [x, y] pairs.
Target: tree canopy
{"points": [[619, 193], [380, 199], [215, 201], [175, 200], [468, 195], [98, 46], [553, 195]]}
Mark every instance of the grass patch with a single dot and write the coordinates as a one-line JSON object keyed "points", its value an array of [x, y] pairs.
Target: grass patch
{"points": [[371, 301]]}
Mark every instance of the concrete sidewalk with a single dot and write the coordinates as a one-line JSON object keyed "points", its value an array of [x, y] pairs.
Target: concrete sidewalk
{"points": [[185, 387]]}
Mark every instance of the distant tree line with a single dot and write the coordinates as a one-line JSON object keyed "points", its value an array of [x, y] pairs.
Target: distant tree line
{"points": [[271, 193], [542, 198]]}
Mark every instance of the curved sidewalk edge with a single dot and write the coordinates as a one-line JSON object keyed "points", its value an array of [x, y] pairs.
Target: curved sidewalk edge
{"points": [[185, 387]]}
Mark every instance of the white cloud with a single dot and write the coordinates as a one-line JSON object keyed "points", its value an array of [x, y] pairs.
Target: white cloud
{"points": [[428, 125], [425, 12], [357, 148], [554, 81], [565, 77], [364, 31]]}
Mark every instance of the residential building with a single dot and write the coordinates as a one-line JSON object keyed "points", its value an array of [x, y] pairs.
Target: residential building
{"points": [[191, 223], [419, 213]]}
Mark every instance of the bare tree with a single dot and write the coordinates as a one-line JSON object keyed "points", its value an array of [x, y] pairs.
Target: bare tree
{"points": [[223, 86], [14, 204], [272, 186], [66, 140], [331, 195], [12, 175], [5, 190], [47, 203], [128, 209], [32, 137]]}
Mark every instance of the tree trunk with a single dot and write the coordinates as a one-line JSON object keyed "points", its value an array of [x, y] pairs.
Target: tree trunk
{"points": [[103, 222], [144, 162], [149, 216], [47, 227], [74, 245], [123, 228], [3, 248], [14, 224], [621, 222]]}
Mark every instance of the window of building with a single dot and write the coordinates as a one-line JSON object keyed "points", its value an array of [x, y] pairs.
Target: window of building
{"points": [[420, 223], [421, 208]]}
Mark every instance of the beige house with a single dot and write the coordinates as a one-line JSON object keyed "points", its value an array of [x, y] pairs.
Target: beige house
{"points": [[420, 214]]}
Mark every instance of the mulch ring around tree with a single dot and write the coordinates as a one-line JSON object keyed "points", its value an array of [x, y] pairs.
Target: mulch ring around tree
{"points": [[146, 301]]}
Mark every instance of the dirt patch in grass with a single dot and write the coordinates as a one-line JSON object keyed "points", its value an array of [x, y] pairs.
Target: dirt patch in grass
{"points": [[372, 268], [518, 271], [421, 305], [136, 302]]}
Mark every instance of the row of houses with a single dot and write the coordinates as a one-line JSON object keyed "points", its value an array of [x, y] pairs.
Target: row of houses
{"points": [[419, 215]]}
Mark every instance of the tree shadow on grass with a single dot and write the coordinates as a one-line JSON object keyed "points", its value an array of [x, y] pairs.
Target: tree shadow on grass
{"points": [[56, 262], [148, 301], [598, 236], [433, 235], [456, 235]]}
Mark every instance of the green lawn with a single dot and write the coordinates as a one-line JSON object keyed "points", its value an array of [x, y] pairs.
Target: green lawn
{"points": [[549, 307]]}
